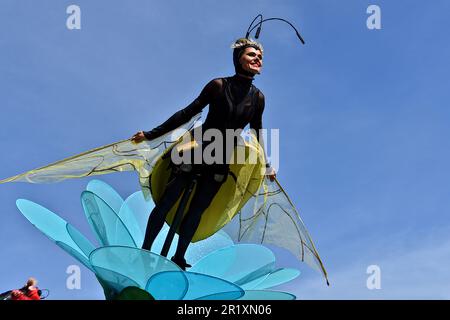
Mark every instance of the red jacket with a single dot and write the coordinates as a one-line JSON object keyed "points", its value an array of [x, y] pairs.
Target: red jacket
{"points": [[32, 294]]}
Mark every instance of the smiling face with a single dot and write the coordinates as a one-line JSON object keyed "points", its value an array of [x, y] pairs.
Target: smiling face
{"points": [[251, 60]]}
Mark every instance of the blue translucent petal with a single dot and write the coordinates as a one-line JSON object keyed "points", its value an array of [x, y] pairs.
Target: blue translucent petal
{"points": [[253, 283], [202, 286], [191, 286], [106, 224], [140, 208], [159, 242], [267, 295], [114, 282], [238, 263], [200, 249], [230, 295], [277, 277], [84, 244], [128, 218], [76, 254], [168, 285], [56, 229], [136, 264], [107, 193]]}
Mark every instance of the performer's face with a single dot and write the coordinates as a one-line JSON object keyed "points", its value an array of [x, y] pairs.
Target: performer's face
{"points": [[251, 60]]}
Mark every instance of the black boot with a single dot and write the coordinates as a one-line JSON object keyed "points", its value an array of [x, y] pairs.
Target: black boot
{"points": [[181, 263]]}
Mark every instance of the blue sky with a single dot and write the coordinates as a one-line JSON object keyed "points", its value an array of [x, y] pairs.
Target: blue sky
{"points": [[363, 125]]}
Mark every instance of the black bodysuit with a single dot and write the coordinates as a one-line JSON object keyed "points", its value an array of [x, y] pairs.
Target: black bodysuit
{"points": [[233, 102], [230, 107]]}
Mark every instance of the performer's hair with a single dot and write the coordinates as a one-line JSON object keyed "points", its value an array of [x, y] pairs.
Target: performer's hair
{"points": [[244, 42]]}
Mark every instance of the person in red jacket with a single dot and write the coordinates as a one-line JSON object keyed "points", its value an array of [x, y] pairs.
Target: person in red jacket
{"points": [[28, 292]]}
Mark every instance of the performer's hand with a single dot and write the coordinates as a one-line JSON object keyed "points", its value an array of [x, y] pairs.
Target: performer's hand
{"points": [[270, 172], [138, 137]]}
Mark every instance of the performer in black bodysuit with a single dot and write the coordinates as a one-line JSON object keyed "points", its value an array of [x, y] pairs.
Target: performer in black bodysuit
{"points": [[233, 103]]}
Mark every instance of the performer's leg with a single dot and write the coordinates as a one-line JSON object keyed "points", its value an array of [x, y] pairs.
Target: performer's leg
{"points": [[206, 189], [157, 217]]}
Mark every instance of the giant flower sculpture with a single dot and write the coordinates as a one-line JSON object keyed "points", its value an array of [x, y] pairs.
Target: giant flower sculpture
{"points": [[222, 270]]}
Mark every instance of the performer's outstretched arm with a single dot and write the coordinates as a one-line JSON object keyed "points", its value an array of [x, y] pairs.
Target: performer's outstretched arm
{"points": [[209, 92]]}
